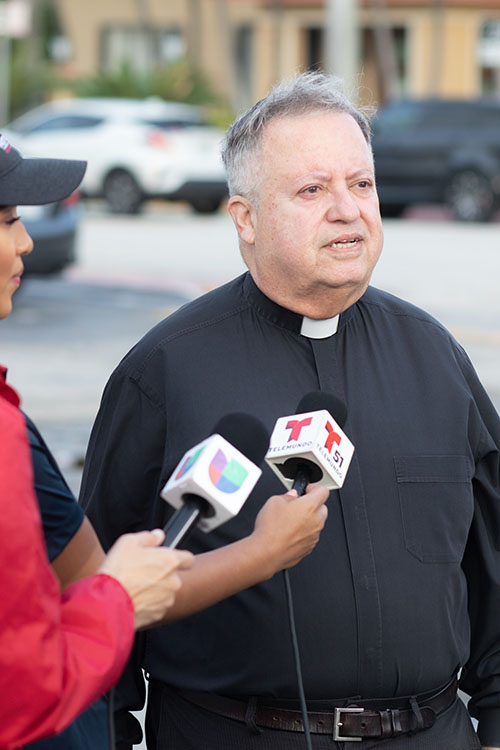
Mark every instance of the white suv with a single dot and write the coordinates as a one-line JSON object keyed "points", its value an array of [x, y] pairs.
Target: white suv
{"points": [[136, 149]]}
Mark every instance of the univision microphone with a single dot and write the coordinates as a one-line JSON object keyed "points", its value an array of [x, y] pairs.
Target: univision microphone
{"points": [[213, 479], [310, 446]]}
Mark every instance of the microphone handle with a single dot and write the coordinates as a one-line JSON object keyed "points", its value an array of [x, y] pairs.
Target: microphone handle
{"points": [[302, 478], [181, 523]]}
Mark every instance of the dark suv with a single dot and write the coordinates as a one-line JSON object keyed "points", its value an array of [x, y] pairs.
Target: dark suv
{"points": [[439, 151]]}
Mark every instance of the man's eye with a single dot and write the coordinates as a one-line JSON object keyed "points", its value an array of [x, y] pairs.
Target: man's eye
{"points": [[13, 220], [312, 189]]}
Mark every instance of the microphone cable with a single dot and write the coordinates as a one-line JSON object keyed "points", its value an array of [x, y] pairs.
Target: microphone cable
{"points": [[303, 473], [296, 656]]}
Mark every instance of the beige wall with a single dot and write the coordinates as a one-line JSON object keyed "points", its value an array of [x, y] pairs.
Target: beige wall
{"points": [[279, 40]]}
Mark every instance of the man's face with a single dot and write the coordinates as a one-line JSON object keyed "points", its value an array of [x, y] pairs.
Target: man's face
{"points": [[314, 235]]}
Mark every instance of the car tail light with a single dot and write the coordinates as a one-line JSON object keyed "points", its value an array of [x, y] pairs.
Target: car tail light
{"points": [[158, 139], [72, 199]]}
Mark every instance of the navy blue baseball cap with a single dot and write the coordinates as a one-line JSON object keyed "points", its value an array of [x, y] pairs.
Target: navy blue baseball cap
{"points": [[32, 182]]}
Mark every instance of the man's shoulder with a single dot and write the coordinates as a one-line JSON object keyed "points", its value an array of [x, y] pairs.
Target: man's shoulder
{"points": [[389, 306], [202, 312], [183, 330]]}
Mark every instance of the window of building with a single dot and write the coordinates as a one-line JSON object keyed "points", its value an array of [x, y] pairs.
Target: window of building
{"points": [[244, 62], [384, 60], [141, 48], [314, 48], [488, 56]]}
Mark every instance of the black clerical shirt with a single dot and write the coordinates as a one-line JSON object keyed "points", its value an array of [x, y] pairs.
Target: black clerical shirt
{"points": [[403, 587]]}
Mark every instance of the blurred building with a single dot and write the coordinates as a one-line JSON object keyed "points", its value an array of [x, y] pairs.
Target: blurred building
{"points": [[413, 47]]}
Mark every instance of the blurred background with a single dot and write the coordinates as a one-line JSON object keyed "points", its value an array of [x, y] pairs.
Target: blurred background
{"points": [[231, 51], [227, 53], [143, 89]]}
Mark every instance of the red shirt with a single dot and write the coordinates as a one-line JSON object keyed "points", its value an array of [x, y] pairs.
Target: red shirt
{"points": [[57, 653]]}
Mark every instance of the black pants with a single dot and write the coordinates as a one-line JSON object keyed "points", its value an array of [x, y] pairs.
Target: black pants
{"points": [[172, 723]]}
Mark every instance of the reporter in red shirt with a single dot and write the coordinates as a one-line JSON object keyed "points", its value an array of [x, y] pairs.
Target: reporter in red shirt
{"points": [[58, 653]]}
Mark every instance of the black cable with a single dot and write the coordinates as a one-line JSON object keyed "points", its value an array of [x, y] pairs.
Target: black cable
{"points": [[296, 655], [111, 719]]}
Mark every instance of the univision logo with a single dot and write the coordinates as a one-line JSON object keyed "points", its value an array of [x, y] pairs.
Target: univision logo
{"points": [[226, 475], [190, 460]]}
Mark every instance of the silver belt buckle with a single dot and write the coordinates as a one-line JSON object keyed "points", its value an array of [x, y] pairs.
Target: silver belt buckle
{"points": [[338, 724]]}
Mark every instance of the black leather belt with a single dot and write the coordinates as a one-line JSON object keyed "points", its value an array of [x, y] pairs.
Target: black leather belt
{"points": [[357, 719]]}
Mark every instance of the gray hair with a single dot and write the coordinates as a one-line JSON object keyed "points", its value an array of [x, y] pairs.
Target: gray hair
{"points": [[302, 94]]}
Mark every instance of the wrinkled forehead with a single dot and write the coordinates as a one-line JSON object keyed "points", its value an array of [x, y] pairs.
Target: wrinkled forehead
{"points": [[317, 141]]}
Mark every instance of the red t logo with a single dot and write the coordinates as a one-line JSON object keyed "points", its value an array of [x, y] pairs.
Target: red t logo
{"points": [[296, 425], [333, 437]]}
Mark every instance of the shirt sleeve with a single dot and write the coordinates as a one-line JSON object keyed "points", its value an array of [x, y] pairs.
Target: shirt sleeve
{"points": [[61, 514], [481, 675], [120, 482], [57, 653]]}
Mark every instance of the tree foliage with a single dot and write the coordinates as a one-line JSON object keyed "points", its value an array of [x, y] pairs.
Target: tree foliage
{"points": [[178, 81]]}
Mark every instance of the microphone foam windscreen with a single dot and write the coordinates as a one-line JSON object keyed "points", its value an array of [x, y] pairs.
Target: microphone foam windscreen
{"points": [[318, 400], [246, 433]]}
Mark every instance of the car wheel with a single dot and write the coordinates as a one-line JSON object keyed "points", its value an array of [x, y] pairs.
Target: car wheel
{"points": [[206, 205], [470, 196], [122, 193]]}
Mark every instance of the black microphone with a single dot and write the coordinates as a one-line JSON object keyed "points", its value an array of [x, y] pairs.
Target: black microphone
{"points": [[310, 446], [213, 479]]}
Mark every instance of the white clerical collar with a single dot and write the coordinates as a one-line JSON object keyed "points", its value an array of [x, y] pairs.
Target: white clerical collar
{"points": [[319, 329]]}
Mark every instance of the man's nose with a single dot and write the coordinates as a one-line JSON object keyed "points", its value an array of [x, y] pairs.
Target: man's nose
{"points": [[343, 206]]}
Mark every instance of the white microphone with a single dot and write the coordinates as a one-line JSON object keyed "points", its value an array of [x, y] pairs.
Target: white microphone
{"points": [[214, 478], [310, 446]]}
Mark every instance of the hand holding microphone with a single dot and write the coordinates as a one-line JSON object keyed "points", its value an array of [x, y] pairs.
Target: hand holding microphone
{"points": [[149, 575], [288, 527], [204, 489]]}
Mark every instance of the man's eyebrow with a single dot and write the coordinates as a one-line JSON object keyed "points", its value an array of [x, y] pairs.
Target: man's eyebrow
{"points": [[320, 176], [362, 171]]}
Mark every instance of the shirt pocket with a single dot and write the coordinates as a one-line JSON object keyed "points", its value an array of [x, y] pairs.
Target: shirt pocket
{"points": [[437, 505]]}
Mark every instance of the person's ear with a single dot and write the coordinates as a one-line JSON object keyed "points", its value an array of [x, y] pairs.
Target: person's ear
{"points": [[242, 214]]}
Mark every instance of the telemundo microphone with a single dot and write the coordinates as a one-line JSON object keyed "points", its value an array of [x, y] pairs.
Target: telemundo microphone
{"points": [[310, 446], [212, 481]]}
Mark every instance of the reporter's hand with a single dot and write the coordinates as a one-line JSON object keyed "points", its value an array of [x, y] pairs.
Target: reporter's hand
{"points": [[288, 526], [147, 572]]}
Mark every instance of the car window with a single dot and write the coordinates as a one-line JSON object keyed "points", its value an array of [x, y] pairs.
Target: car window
{"points": [[451, 114], [404, 115], [488, 117], [64, 122], [410, 115], [175, 124]]}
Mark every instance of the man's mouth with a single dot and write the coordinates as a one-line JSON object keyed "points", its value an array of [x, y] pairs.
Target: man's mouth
{"points": [[342, 244]]}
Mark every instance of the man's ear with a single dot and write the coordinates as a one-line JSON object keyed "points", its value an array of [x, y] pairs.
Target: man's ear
{"points": [[242, 214]]}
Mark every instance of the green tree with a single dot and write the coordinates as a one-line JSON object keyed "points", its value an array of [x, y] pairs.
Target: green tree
{"points": [[179, 81], [31, 68]]}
